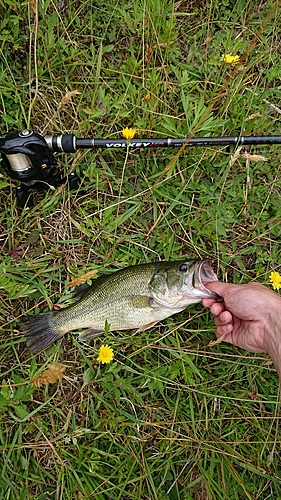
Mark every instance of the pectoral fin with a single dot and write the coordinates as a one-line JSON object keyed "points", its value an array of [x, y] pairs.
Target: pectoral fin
{"points": [[141, 301], [90, 334]]}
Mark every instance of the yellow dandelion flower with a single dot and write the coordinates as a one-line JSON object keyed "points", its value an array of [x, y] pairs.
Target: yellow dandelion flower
{"points": [[275, 279], [129, 133], [105, 354], [230, 59]]}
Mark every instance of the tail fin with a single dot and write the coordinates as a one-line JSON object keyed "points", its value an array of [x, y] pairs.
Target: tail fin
{"points": [[40, 331]]}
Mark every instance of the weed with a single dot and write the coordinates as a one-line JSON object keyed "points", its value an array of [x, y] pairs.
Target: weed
{"points": [[169, 417]]}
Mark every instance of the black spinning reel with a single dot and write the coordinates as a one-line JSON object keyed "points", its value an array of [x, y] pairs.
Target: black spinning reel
{"points": [[27, 157]]}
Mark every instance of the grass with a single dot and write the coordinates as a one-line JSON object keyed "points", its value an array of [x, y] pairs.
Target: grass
{"points": [[170, 417]]}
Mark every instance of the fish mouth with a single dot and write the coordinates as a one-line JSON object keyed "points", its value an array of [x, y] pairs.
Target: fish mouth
{"points": [[203, 273]]}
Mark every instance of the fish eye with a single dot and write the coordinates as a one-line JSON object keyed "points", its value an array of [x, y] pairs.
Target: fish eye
{"points": [[183, 268]]}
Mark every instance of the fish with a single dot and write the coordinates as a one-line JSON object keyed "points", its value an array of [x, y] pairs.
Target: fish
{"points": [[135, 297]]}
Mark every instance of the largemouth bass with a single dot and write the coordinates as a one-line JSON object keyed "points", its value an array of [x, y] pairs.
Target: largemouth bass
{"points": [[135, 297]]}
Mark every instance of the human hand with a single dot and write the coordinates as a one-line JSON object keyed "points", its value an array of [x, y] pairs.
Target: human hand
{"points": [[246, 315]]}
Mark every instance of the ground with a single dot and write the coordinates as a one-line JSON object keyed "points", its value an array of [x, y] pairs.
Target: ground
{"points": [[170, 417]]}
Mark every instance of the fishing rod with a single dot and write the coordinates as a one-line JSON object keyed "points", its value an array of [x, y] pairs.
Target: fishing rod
{"points": [[28, 157], [68, 143]]}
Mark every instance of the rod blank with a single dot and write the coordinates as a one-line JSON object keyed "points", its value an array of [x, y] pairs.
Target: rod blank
{"points": [[69, 143]]}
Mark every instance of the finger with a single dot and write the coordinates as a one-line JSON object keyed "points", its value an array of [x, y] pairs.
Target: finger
{"points": [[208, 302], [225, 330], [224, 318], [219, 287], [217, 308]]}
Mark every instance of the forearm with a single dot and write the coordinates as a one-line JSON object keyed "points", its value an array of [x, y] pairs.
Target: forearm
{"points": [[273, 335]]}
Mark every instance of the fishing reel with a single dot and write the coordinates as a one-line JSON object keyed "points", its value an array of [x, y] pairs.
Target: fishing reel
{"points": [[27, 157]]}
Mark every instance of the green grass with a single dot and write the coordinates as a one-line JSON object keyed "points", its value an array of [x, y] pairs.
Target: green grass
{"points": [[170, 417]]}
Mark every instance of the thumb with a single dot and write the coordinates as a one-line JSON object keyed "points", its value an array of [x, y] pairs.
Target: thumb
{"points": [[219, 287]]}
